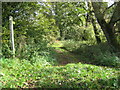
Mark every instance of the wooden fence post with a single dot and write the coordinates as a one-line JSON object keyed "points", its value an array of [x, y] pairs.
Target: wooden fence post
{"points": [[12, 35], [0, 30]]}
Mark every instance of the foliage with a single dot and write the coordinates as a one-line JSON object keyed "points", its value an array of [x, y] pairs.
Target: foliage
{"points": [[79, 33], [25, 75], [108, 27], [32, 31], [72, 45], [37, 30], [101, 54], [68, 17]]}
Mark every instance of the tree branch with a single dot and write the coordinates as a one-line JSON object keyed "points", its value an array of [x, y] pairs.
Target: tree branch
{"points": [[110, 7], [116, 15]]}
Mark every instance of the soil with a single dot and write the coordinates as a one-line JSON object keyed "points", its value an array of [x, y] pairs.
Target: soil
{"points": [[66, 57]]}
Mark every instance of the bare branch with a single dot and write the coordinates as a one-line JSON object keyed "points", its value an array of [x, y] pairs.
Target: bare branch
{"points": [[116, 15], [110, 6]]}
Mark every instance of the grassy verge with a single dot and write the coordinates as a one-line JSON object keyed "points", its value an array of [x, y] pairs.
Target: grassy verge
{"points": [[21, 73]]}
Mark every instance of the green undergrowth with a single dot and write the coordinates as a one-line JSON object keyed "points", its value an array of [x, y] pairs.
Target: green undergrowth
{"points": [[58, 44], [72, 45], [21, 73], [101, 54]]}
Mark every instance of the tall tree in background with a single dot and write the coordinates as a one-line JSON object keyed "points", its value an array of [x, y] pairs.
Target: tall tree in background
{"points": [[67, 15]]}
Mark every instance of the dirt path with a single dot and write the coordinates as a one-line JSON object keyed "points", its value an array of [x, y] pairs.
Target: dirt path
{"points": [[65, 57]]}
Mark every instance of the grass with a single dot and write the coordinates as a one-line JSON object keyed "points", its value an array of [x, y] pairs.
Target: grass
{"points": [[58, 44], [26, 75], [92, 53], [45, 72]]}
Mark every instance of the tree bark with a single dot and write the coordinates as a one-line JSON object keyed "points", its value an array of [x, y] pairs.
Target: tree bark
{"points": [[118, 27], [108, 28], [93, 21], [96, 31], [62, 34]]}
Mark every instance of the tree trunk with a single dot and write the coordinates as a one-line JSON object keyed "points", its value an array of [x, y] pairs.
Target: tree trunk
{"points": [[108, 28], [118, 26], [62, 34], [96, 31], [57, 20], [93, 21], [109, 34]]}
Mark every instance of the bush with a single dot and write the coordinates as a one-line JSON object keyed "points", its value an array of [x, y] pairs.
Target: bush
{"points": [[101, 54], [72, 45], [78, 33], [6, 52]]}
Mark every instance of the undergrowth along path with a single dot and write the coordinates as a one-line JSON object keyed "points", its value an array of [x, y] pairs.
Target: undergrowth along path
{"points": [[64, 57]]}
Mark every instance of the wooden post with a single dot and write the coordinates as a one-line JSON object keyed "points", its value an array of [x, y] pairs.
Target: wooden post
{"points": [[0, 30], [12, 35]]}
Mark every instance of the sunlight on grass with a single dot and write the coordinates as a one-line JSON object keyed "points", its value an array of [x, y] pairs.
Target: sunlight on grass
{"points": [[58, 44], [24, 74]]}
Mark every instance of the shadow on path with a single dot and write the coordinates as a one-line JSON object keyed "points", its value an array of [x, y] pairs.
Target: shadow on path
{"points": [[65, 57]]}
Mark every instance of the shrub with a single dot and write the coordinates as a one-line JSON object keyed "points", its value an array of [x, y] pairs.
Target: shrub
{"points": [[72, 45], [101, 54], [6, 52]]}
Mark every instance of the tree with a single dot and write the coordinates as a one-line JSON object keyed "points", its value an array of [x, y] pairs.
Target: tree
{"points": [[108, 26], [22, 14], [31, 24], [68, 16], [92, 19]]}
